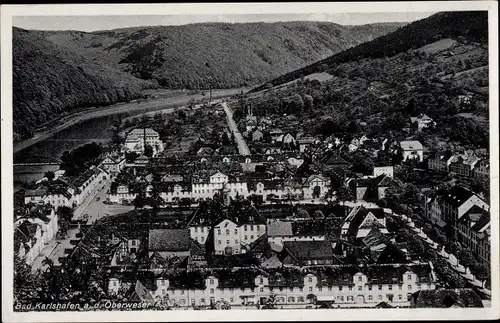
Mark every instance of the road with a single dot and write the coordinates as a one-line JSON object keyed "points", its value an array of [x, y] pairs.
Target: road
{"points": [[96, 209], [242, 145]]}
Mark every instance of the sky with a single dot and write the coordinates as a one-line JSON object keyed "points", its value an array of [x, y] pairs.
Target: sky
{"points": [[94, 23]]}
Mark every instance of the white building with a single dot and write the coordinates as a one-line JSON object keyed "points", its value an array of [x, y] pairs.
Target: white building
{"points": [[113, 164], [422, 121], [316, 186], [281, 231], [231, 238], [383, 170], [135, 140], [32, 233], [412, 150], [344, 286]]}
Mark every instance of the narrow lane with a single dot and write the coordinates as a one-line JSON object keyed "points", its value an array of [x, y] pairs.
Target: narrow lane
{"points": [[242, 145]]}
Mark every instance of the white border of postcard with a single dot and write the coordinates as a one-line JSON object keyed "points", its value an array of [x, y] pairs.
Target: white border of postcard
{"points": [[7, 12]]}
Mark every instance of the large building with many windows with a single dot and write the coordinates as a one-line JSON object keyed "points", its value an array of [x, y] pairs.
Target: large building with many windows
{"points": [[342, 286]]}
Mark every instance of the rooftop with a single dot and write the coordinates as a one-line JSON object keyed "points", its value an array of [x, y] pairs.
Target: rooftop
{"points": [[169, 240], [279, 228], [411, 145]]}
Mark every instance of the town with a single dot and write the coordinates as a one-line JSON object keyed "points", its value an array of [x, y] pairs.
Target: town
{"points": [[216, 206]]}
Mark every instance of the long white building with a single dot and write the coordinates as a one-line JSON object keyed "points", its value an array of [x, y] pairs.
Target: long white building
{"points": [[344, 286]]}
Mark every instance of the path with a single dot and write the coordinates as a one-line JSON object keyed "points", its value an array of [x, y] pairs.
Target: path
{"points": [[242, 145]]}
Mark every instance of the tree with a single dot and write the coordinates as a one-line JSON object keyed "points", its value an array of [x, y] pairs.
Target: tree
{"points": [[139, 201], [466, 258], [308, 102], [271, 301], [49, 175], [344, 194], [416, 245], [312, 298], [148, 151]]}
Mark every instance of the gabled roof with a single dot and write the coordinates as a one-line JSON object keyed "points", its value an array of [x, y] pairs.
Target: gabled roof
{"points": [[169, 240], [279, 228], [308, 250], [333, 158], [40, 191], [137, 132], [457, 195], [379, 181]]}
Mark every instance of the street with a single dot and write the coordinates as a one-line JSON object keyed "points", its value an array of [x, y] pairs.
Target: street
{"points": [[96, 209], [242, 145]]}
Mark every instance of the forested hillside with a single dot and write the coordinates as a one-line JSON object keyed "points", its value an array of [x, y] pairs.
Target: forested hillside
{"points": [[49, 82], [469, 25], [220, 55], [445, 77]]}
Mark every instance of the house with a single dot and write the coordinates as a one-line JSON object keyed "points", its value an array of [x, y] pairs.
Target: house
{"points": [[36, 195], [482, 169], [433, 210], [28, 240], [272, 150], [412, 150], [304, 253], [46, 217], [305, 142], [139, 137], [315, 186], [285, 139], [446, 298], [452, 204], [199, 233], [370, 188], [87, 183], [275, 134], [172, 178], [331, 160], [474, 233], [113, 164], [293, 161], [205, 151], [345, 286], [440, 160], [463, 165], [169, 242], [257, 135], [278, 231], [360, 221], [233, 238], [422, 121]]}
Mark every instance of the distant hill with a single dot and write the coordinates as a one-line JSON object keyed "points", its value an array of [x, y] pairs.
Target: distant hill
{"points": [[470, 25], [57, 72], [440, 69], [221, 55], [49, 81]]}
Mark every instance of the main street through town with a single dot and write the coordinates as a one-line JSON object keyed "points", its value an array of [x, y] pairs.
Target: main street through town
{"points": [[242, 145]]}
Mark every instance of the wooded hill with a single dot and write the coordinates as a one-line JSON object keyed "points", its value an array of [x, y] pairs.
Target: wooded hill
{"points": [[470, 25], [221, 55], [57, 72], [445, 77], [49, 81]]}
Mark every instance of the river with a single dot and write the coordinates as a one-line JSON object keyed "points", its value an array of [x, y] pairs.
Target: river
{"points": [[90, 128]]}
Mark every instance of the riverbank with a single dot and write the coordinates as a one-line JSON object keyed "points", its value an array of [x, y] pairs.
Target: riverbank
{"points": [[163, 99]]}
